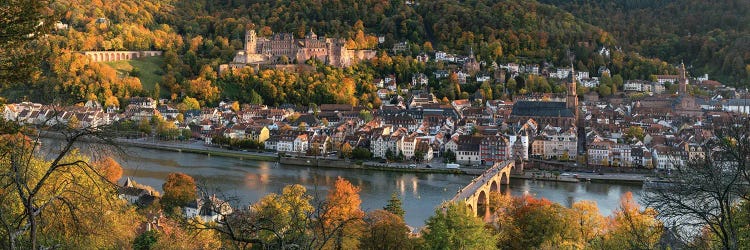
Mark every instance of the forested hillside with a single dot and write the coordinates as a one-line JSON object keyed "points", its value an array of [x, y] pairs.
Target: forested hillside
{"points": [[712, 36], [197, 36]]}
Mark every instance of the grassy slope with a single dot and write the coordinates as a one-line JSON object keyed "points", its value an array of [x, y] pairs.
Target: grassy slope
{"points": [[150, 69]]}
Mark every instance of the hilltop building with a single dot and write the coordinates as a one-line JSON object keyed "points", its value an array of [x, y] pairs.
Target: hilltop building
{"points": [[283, 48]]}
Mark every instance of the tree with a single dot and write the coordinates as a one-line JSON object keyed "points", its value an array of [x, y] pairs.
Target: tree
{"points": [[24, 22], [189, 103], [604, 90], [361, 153], [365, 115], [53, 198], [705, 191], [634, 132], [394, 206], [449, 156], [586, 223], [418, 156], [632, 227], [179, 191], [109, 168], [385, 230], [454, 226], [346, 150], [344, 215], [281, 218], [146, 240]]}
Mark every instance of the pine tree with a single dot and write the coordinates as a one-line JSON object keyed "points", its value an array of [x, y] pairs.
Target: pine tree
{"points": [[394, 206]]}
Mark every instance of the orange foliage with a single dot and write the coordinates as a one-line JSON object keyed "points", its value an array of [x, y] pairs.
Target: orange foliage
{"points": [[109, 168]]}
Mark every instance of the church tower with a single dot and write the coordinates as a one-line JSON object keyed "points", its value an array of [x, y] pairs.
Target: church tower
{"points": [[571, 102], [251, 41], [683, 80]]}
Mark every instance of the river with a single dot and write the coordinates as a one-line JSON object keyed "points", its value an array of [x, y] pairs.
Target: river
{"points": [[246, 181]]}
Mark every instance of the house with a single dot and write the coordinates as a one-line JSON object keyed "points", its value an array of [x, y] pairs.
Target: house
{"points": [[423, 146], [382, 94], [419, 79], [143, 102], [468, 149], [483, 77], [600, 152], [320, 144], [494, 148], [400, 47], [423, 58], [462, 77], [272, 143], [439, 74], [408, 146], [135, 194], [301, 143], [209, 210], [236, 131], [741, 106], [258, 133]]}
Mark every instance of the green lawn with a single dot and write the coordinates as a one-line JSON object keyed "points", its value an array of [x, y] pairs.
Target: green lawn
{"points": [[149, 68]]}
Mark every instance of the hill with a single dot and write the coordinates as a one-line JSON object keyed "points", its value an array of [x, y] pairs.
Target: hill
{"points": [[711, 36]]}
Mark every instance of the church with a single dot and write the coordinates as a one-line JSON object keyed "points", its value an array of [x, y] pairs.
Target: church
{"points": [[554, 112]]}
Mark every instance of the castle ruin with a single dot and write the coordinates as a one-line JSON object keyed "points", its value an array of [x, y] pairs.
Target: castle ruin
{"points": [[283, 48]]}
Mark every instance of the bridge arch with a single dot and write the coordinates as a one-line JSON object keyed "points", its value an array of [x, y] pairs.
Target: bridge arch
{"points": [[477, 193], [483, 203]]}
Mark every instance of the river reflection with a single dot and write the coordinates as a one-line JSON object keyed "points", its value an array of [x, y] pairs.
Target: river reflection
{"points": [[248, 181]]}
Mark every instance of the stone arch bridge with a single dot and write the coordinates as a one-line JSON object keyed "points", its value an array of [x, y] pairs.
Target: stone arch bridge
{"points": [[111, 56], [477, 193]]}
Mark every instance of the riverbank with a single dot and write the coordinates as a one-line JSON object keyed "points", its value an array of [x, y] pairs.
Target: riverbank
{"points": [[606, 178], [322, 162], [325, 162]]}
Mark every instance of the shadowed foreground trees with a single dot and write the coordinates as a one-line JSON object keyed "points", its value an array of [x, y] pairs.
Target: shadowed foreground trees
{"points": [[23, 22], [54, 197], [706, 194], [454, 226]]}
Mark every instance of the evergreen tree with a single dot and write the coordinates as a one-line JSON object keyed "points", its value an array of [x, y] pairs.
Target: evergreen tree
{"points": [[394, 206]]}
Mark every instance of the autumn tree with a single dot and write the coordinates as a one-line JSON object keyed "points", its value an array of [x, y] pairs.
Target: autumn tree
{"points": [[179, 191], [188, 103], [109, 168], [634, 132], [454, 226], [385, 230], [585, 222], [61, 199], [343, 219], [632, 227]]}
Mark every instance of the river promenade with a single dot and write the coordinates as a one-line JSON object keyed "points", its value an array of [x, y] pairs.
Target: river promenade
{"points": [[199, 147]]}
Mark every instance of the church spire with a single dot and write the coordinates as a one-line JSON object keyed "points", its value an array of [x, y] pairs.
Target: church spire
{"points": [[683, 80]]}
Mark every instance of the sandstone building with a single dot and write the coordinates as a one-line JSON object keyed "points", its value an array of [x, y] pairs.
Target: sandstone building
{"points": [[283, 48]]}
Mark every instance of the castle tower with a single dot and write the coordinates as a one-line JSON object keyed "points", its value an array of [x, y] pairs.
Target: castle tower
{"points": [[251, 42], [683, 80]]}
